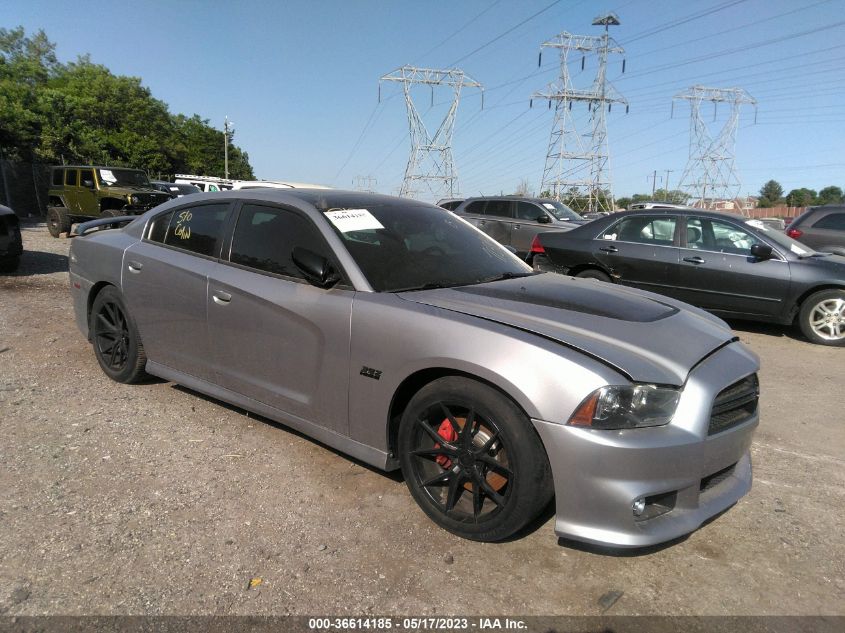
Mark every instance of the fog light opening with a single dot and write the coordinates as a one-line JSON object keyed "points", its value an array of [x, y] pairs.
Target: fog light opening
{"points": [[638, 507]]}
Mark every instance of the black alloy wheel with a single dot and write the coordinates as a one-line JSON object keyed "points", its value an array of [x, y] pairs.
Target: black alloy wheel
{"points": [[116, 343], [472, 460]]}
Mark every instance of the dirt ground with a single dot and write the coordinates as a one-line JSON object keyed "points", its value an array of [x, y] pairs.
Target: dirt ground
{"points": [[155, 500]]}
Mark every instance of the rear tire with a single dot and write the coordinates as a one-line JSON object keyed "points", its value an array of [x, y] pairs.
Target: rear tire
{"points": [[472, 460], [117, 346], [593, 273], [822, 317], [58, 220]]}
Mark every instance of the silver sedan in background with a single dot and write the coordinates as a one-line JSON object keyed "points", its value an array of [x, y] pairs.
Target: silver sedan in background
{"points": [[400, 334]]}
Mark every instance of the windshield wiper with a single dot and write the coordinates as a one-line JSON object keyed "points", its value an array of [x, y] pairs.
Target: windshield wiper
{"points": [[431, 285], [504, 276]]}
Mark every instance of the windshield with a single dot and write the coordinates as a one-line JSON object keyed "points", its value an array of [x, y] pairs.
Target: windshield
{"points": [[560, 210], [781, 239], [123, 178], [411, 246]]}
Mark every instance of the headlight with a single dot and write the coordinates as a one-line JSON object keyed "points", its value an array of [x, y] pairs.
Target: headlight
{"points": [[627, 407], [134, 199]]}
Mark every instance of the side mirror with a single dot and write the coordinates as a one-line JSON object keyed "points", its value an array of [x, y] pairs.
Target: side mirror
{"points": [[544, 219], [316, 268], [761, 251], [88, 183]]}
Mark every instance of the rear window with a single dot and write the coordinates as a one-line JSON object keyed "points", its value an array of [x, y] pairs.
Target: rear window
{"points": [[72, 177]]}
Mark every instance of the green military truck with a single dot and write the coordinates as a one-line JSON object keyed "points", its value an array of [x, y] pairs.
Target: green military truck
{"points": [[84, 192]]}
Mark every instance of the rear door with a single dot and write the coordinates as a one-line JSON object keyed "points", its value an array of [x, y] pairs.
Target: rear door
{"points": [[71, 190], [719, 273], [491, 216], [165, 282], [824, 231], [278, 339], [641, 251]]}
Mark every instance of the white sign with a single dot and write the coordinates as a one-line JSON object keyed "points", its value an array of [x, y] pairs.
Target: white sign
{"points": [[550, 207], [106, 175], [347, 220]]}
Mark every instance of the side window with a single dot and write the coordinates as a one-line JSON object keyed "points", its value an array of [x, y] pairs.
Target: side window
{"points": [[500, 208], [197, 229], [476, 208], [86, 175], [833, 221], [695, 235], [659, 231], [158, 227], [729, 238], [265, 237], [58, 177], [72, 177], [528, 211]]}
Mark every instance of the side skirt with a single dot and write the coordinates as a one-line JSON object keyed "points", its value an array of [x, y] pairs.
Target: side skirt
{"points": [[368, 454]]}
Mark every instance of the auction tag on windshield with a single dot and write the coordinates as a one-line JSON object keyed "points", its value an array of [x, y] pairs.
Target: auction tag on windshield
{"points": [[550, 207], [347, 220], [107, 176]]}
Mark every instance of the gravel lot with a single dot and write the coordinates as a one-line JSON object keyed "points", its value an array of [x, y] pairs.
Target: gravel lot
{"points": [[155, 500]]}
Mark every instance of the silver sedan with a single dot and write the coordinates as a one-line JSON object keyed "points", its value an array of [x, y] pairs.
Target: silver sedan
{"points": [[398, 333]]}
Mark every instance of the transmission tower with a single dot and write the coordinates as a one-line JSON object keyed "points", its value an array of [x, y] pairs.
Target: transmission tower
{"points": [[710, 168], [431, 168], [577, 167]]}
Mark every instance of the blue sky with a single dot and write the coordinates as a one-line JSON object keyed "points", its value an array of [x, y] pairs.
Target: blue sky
{"points": [[300, 79]]}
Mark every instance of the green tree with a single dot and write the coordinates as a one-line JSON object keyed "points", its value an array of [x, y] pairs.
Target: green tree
{"points": [[801, 197], [771, 194], [830, 195]]}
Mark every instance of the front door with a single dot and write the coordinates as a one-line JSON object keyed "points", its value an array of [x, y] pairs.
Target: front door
{"points": [[718, 272], [277, 339]]}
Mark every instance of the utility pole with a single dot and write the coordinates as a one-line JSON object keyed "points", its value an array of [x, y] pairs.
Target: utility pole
{"points": [[653, 183], [227, 130], [666, 184], [430, 162], [710, 167], [576, 169]]}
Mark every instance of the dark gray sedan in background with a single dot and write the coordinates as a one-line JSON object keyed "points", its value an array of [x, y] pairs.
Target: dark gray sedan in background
{"points": [[403, 336], [726, 264]]}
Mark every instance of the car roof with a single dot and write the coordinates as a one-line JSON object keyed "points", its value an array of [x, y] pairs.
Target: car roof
{"points": [[95, 167], [512, 197], [319, 198]]}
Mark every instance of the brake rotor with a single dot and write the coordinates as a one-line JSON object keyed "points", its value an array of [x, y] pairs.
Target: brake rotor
{"points": [[482, 436]]}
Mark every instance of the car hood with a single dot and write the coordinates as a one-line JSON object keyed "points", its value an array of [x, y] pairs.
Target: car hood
{"points": [[648, 338]]}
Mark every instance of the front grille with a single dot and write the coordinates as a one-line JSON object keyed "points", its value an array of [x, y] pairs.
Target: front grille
{"points": [[734, 405], [711, 481]]}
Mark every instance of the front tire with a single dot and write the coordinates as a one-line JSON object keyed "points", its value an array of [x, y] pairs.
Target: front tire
{"points": [[117, 346], [58, 221], [822, 317], [472, 460]]}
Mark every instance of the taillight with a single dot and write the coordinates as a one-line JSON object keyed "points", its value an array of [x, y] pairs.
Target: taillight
{"points": [[536, 247], [794, 233]]}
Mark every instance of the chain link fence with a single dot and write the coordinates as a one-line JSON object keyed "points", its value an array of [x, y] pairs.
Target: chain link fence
{"points": [[23, 187]]}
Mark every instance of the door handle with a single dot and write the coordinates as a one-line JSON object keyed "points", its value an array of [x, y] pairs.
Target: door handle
{"points": [[135, 267], [220, 297], [516, 226], [609, 249], [695, 260], [481, 223]]}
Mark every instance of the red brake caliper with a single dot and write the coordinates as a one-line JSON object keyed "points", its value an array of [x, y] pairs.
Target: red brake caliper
{"points": [[447, 432]]}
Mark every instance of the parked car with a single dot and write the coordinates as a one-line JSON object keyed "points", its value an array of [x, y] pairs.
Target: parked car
{"points": [[82, 192], [175, 189], [637, 206], [514, 221], [450, 204], [821, 228], [11, 244], [726, 264], [499, 387], [274, 184], [205, 184]]}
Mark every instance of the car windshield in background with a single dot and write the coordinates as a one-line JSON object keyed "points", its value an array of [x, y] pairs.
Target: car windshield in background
{"points": [[122, 178], [781, 239], [560, 210], [414, 247]]}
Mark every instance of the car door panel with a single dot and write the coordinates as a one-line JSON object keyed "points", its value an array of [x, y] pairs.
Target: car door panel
{"points": [[730, 280]]}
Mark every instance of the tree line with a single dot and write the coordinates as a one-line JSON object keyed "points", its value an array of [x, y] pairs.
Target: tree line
{"points": [[771, 195], [80, 112]]}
